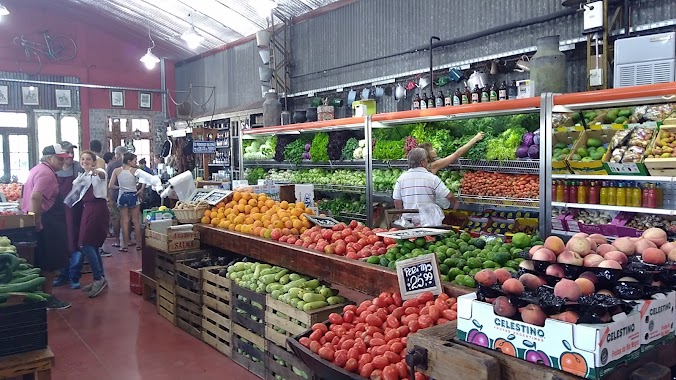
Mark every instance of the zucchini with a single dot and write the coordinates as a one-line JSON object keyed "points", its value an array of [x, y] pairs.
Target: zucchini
{"points": [[280, 274], [24, 266], [314, 305], [13, 260], [27, 286], [335, 300], [313, 297], [29, 296], [20, 279]]}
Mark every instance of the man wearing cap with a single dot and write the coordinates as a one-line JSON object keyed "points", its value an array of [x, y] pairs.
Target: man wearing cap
{"points": [[42, 198]]}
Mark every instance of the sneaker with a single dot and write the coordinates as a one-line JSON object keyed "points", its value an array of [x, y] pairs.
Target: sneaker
{"points": [[59, 281], [56, 304], [106, 254], [87, 288], [97, 287], [74, 285]]}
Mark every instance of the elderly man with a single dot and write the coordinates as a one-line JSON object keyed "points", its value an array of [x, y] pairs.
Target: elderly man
{"points": [[417, 186], [42, 198], [112, 195]]}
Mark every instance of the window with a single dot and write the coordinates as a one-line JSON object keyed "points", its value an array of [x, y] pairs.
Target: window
{"points": [[70, 131], [143, 150], [46, 131], [18, 157], [141, 125], [13, 120]]}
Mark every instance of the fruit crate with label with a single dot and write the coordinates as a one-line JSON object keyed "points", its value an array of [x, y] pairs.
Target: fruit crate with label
{"points": [[664, 163], [216, 310]]}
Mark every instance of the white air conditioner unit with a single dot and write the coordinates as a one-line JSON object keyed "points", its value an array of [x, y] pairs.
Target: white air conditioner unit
{"points": [[645, 60]]}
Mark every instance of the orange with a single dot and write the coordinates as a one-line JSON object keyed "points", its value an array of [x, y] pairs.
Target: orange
{"points": [[246, 196], [238, 228], [262, 197], [220, 215], [309, 211], [220, 204], [236, 196], [248, 220], [240, 208], [205, 220], [269, 203], [306, 224], [296, 212], [257, 216], [288, 224], [243, 202], [247, 209], [261, 233], [223, 224], [258, 223], [302, 230], [253, 202], [232, 227], [294, 232], [207, 213], [284, 205], [239, 219], [264, 209], [255, 210], [297, 224], [300, 205], [215, 221]]}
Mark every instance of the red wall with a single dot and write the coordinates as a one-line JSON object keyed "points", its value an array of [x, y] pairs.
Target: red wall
{"points": [[102, 57]]}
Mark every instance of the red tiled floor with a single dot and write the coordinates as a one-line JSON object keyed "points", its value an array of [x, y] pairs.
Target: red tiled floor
{"points": [[118, 336]]}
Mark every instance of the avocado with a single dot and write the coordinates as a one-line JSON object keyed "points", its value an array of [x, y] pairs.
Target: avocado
{"points": [[597, 156], [625, 112], [582, 151], [620, 120], [576, 157], [594, 142], [560, 146], [589, 115], [612, 115], [565, 151]]}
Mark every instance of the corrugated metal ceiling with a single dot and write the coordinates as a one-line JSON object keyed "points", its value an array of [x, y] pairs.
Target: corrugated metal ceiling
{"points": [[219, 21]]}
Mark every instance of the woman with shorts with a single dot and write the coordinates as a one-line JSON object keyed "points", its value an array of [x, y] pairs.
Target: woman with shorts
{"points": [[124, 179]]}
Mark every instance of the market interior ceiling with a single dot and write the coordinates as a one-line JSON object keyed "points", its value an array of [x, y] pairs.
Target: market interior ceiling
{"points": [[218, 21]]}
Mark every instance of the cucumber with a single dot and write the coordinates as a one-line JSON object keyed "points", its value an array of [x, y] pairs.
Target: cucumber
{"points": [[312, 297], [13, 260], [29, 296], [284, 279], [24, 266], [276, 294], [22, 286], [312, 284], [281, 274], [294, 276], [293, 292], [267, 279], [314, 305], [335, 300], [20, 279], [300, 304]]}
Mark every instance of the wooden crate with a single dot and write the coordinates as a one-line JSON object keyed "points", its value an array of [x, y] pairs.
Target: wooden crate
{"points": [[216, 310], [248, 350], [286, 370], [189, 311], [166, 299], [248, 310], [291, 321], [661, 166], [165, 263]]}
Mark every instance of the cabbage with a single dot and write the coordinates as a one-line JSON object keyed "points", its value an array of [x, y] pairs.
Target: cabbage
{"points": [[534, 151], [522, 152], [527, 140], [536, 138]]}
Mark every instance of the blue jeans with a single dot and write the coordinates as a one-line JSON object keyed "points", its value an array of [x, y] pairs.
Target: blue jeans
{"points": [[73, 271], [94, 257]]}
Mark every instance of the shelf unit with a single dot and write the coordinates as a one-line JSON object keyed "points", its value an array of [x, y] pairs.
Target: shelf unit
{"points": [[642, 210]]}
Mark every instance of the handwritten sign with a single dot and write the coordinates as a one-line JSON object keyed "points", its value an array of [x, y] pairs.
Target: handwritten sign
{"points": [[322, 221], [418, 275], [203, 147], [199, 194], [412, 233]]}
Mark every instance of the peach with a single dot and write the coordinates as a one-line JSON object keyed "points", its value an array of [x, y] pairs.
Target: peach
{"points": [[654, 256], [616, 256], [531, 281], [672, 255], [586, 286], [592, 260], [513, 286], [555, 244], [668, 247], [604, 248], [503, 274], [568, 289], [570, 257], [643, 244], [502, 307], [610, 264], [581, 235], [534, 248], [592, 245], [579, 245], [656, 235], [598, 239], [624, 245], [591, 276], [567, 316], [486, 277], [533, 314], [544, 254], [555, 270]]}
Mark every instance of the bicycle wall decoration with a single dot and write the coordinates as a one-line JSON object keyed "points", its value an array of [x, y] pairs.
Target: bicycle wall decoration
{"points": [[55, 47]]}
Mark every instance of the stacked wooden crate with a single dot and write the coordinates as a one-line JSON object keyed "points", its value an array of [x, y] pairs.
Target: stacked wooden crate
{"points": [[248, 329], [216, 311]]}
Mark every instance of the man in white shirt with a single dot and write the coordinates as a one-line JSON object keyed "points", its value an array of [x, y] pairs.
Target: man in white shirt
{"points": [[417, 186]]}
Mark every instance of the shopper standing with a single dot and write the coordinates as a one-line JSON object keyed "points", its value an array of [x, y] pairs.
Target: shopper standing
{"points": [[124, 179], [41, 197], [96, 147], [436, 163], [94, 221], [113, 193]]}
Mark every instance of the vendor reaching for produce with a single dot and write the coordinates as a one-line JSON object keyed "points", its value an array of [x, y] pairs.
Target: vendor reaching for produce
{"points": [[436, 163], [417, 186]]}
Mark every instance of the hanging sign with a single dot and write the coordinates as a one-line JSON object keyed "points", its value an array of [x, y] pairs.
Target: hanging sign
{"points": [[418, 275], [203, 147]]}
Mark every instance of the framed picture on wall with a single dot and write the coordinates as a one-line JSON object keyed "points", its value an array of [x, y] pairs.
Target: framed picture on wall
{"points": [[30, 96], [4, 95], [63, 98], [144, 100], [117, 98]]}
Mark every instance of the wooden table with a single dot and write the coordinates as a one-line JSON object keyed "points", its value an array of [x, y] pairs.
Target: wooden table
{"points": [[37, 363], [354, 274]]}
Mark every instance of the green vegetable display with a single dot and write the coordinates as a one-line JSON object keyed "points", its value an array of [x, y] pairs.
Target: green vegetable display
{"points": [[294, 151], [17, 277], [349, 148], [343, 203], [384, 179], [260, 149], [389, 150], [253, 175], [319, 149], [320, 176]]}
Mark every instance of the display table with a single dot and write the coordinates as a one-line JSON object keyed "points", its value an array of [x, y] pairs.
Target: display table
{"points": [[38, 363]]}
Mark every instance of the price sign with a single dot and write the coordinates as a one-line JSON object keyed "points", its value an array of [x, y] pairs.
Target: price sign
{"points": [[322, 221], [203, 147], [412, 233], [418, 275], [628, 168]]}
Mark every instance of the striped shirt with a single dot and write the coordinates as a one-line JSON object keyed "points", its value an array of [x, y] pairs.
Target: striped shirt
{"points": [[419, 186]]}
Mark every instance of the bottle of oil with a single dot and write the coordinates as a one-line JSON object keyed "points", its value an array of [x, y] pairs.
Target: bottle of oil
{"points": [[485, 94], [476, 94], [502, 92], [416, 102], [466, 96], [457, 97]]}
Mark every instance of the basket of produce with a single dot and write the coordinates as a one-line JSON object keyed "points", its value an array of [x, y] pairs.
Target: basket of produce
{"points": [[188, 212]]}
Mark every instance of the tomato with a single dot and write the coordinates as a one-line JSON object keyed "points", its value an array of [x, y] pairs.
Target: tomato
{"points": [[373, 320], [451, 315], [411, 310], [372, 309], [407, 318], [320, 326], [376, 342], [454, 307], [441, 321], [410, 303], [413, 326], [327, 353], [402, 369], [427, 296], [351, 365], [420, 376], [390, 373], [348, 316], [403, 330], [389, 300], [378, 335], [366, 370], [443, 296], [392, 334], [397, 346], [305, 341], [377, 374], [397, 299], [330, 335], [365, 358], [425, 321], [340, 359], [360, 326], [347, 344], [372, 330], [347, 326], [352, 308], [380, 362], [380, 350], [390, 308], [335, 341], [316, 335], [363, 306], [335, 318], [440, 304], [379, 302], [315, 346], [398, 312], [393, 322], [392, 357]]}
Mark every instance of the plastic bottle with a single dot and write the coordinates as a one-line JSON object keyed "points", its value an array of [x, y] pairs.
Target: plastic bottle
{"points": [[658, 195], [582, 192], [652, 196], [621, 195], [593, 197], [554, 185], [573, 192], [645, 195], [560, 191], [566, 191], [603, 195], [636, 196], [612, 193]]}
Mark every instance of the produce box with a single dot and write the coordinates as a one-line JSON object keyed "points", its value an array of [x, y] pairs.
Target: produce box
{"points": [[657, 320], [568, 138], [497, 226], [166, 299], [476, 225], [661, 166], [216, 311], [176, 239], [23, 327], [526, 225], [632, 168], [189, 298], [248, 349], [281, 363], [135, 285], [456, 219], [586, 350], [8, 222], [593, 166]]}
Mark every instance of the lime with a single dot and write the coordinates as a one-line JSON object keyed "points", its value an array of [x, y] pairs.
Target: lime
{"points": [[474, 262], [501, 257], [373, 260], [420, 242], [392, 265], [468, 282], [490, 264], [521, 240], [466, 269], [453, 272], [394, 250], [474, 271], [465, 236], [384, 262], [441, 257], [390, 256], [409, 245]]}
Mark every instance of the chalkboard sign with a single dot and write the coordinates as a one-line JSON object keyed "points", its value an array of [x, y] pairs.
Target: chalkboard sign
{"points": [[418, 275], [203, 147], [321, 221]]}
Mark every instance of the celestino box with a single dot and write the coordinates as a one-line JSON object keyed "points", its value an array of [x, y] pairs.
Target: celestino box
{"points": [[657, 319], [585, 350]]}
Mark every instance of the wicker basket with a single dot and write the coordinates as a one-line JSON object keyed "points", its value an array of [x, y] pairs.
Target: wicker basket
{"points": [[192, 214]]}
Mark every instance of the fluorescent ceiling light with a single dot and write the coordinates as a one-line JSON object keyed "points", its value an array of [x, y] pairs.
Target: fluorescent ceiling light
{"points": [[3, 10], [192, 37], [150, 59]]}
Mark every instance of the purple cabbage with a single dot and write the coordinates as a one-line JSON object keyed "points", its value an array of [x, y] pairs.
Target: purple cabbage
{"points": [[527, 139], [536, 138], [307, 146], [522, 152], [534, 151]]}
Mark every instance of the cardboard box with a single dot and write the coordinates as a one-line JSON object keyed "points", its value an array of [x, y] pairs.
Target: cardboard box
{"points": [[8, 222], [135, 285], [657, 320], [590, 351], [176, 239], [306, 194], [595, 166]]}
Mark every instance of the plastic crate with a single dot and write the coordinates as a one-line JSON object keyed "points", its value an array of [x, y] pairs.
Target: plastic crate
{"points": [[23, 327]]}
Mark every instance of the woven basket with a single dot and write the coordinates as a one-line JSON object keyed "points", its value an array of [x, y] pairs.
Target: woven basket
{"points": [[192, 215]]}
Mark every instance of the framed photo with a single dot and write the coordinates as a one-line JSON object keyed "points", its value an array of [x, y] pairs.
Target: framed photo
{"points": [[63, 98], [30, 96], [144, 100], [4, 95], [117, 98]]}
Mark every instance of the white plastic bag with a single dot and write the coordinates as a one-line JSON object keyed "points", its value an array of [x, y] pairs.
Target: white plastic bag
{"points": [[74, 195], [430, 215]]}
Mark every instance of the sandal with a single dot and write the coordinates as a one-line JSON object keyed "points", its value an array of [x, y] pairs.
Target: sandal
{"points": [[123, 249]]}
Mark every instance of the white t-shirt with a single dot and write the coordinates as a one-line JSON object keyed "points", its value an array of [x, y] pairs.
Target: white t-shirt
{"points": [[419, 186]]}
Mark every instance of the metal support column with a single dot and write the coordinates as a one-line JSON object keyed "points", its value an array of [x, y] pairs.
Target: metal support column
{"points": [[368, 163], [545, 216]]}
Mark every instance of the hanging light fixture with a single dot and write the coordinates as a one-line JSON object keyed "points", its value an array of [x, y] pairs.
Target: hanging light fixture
{"points": [[150, 59], [191, 36], [3, 10]]}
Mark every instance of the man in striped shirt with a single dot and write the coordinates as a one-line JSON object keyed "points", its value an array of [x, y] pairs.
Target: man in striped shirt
{"points": [[417, 186]]}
